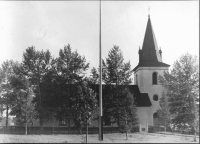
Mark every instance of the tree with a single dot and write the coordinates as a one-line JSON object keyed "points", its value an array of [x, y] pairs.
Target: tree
{"points": [[63, 85], [22, 108], [115, 71], [163, 111], [6, 97], [35, 66], [1, 112], [83, 103], [128, 117], [182, 85], [94, 77]]}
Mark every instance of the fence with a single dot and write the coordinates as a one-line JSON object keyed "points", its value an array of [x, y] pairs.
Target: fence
{"points": [[55, 130], [73, 130], [153, 129]]}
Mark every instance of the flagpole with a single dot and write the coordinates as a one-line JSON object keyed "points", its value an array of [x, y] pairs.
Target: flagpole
{"points": [[100, 83]]}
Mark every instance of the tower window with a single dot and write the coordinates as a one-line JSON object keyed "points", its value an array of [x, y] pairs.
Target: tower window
{"points": [[155, 119], [154, 78], [155, 97], [155, 115], [136, 79]]}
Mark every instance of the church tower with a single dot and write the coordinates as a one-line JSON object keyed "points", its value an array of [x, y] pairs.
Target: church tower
{"points": [[147, 71]]}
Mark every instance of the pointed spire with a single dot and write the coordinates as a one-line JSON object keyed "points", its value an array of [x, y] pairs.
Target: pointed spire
{"points": [[150, 55], [150, 47]]}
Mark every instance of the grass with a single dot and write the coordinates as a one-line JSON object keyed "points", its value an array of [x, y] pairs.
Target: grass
{"points": [[108, 138]]}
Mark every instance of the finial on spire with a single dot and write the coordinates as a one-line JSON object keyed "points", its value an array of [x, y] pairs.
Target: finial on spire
{"points": [[149, 12]]}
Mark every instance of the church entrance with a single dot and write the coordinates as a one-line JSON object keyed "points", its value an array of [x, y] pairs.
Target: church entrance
{"points": [[155, 119]]}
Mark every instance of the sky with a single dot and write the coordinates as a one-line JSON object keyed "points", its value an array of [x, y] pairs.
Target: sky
{"points": [[53, 24]]}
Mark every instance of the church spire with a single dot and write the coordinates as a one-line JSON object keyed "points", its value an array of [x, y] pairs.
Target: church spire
{"points": [[150, 56], [150, 47]]}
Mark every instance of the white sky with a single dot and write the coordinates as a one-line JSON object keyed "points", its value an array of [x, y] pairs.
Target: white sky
{"points": [[53, 24]]}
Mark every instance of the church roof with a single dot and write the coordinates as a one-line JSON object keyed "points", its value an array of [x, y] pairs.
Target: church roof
{"points": [[150, 56], [141, 99]]}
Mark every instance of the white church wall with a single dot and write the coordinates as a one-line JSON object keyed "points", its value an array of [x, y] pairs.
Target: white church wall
{"points": [[143, 114], [145, 84]]}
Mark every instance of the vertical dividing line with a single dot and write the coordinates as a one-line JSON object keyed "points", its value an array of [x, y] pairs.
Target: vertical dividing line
{"points": [[100, 82]]}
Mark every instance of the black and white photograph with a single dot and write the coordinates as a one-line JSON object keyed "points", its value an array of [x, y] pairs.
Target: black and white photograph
{"points": [[99, 71]]}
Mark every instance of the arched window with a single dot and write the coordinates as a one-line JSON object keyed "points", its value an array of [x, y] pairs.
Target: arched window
{"points": [[154, 78], [155, 119], [155, 115], [155, 97]]}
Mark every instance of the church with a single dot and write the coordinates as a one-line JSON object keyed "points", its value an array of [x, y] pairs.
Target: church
{"points": [[146, 89], [146, 74]]}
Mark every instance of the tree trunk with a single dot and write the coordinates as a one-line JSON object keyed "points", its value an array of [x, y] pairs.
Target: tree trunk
{"points": [[40, 107], [53, 126], [7, 110], [195, 124], [29, 129], [41, 125], [26, 129], [69, 126], [26, 112], [86, 133], [6, 116], [195, 133], [126, 129], [81, 130], [195, 114]]}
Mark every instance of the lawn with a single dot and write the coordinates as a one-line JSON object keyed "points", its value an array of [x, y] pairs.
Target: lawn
{"points": [[108, 138]]}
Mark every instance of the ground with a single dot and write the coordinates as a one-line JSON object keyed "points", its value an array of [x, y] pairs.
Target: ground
{"points": [[108, 138]]}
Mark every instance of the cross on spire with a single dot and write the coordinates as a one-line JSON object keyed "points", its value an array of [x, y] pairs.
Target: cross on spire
{"points": [[149, 12]]}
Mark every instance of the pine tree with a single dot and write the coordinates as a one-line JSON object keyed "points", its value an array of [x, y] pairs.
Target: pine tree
{"points": [[116, 74], [115, 69], [182, 84]]}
